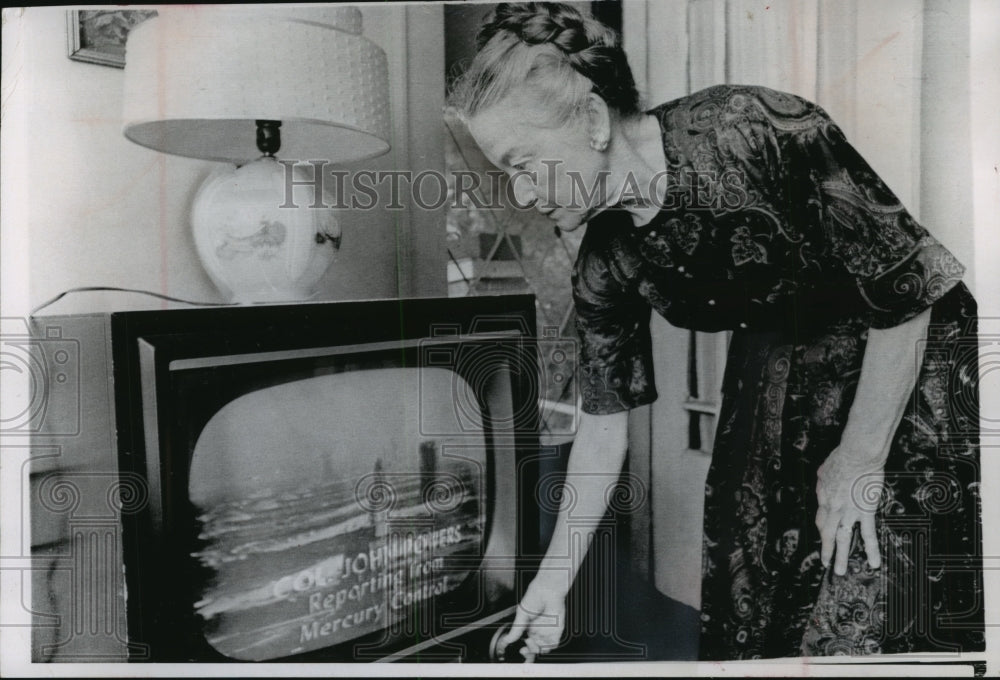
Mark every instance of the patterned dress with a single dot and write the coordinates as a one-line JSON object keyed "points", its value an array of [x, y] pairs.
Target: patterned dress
{"points": [[776, 229]]}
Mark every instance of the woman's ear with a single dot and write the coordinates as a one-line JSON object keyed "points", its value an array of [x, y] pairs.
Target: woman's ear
{"points": [[598, 121]]}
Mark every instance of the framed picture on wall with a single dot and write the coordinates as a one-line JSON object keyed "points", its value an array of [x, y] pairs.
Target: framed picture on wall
{"points": [[97, 36]]}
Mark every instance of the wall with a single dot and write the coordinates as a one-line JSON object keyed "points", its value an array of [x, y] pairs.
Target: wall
{"points": [[99, 210], [985, 133]]}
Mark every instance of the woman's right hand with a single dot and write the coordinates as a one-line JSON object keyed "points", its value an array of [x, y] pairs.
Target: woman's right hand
{"points": [[595, 462], [542, 612]]}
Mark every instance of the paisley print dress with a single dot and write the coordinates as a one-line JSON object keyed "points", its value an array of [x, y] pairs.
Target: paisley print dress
{"points": [[776, 229]]}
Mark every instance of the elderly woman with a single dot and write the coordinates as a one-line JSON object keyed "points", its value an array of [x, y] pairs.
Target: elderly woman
{"points": [[841, 507]]}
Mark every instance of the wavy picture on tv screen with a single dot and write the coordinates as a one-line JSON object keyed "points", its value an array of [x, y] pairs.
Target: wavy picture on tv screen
{"points": [[335, 506]]}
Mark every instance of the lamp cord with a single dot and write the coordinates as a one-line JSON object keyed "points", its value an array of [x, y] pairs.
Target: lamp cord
{"points": [[88, 289]]}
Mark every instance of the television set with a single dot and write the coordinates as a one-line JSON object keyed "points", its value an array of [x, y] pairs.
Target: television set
{"points": [[342, 481]]}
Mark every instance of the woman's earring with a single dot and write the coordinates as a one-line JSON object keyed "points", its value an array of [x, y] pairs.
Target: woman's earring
{"points": [[598, 144]]}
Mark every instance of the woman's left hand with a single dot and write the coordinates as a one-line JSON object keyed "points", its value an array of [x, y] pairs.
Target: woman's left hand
{"points": [[849, 482], [848, 488]]}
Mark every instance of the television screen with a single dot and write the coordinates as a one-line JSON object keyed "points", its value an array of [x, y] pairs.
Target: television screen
{"points": [[326, 512]]}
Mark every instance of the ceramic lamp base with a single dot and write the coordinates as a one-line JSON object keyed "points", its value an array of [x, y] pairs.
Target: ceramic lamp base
{"points": [[257, 243]]}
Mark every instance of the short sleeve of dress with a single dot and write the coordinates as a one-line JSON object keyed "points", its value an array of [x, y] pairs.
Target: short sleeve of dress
{"points": [[615, 358], [899, 268]]}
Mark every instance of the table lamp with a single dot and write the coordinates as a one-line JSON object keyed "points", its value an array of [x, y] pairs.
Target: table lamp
{"points": [[246, 86]]}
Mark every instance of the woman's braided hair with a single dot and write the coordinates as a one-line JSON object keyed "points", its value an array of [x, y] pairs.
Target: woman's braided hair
{"points": [[551, 46]]}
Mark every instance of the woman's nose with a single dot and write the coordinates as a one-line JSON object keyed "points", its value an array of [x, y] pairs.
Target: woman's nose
{"points": [[524, 191]]}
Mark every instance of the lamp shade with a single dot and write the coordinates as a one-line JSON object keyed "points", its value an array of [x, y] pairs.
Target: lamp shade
{"points": [[197, 79]]}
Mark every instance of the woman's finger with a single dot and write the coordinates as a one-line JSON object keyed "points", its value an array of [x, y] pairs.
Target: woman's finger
{"points": [[531, 644], [821, 494], [821, 515], [870, 538], [827, 535], [517, 628], [545, 646], [546, 639], [844, 533]]}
